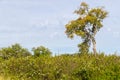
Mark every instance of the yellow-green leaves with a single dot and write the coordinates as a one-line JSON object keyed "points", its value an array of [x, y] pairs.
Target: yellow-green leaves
{"points": [[98, 13], [75, 27], [83, 9], [87, 24]]}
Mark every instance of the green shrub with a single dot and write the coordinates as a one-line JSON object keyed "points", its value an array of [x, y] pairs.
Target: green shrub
{"points": [[14, 51], [41, 51], [62, 67]]}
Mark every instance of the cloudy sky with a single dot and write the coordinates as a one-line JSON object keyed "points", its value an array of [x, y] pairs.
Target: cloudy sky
{"points": [[33, 23]]}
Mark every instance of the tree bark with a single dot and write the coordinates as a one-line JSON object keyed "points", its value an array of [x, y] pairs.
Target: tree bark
{"points": [[94, 30], [94, 46]]}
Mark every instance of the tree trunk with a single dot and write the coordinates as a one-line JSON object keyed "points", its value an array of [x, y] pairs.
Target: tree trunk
{"points": [[94, 46], [94, 30]]}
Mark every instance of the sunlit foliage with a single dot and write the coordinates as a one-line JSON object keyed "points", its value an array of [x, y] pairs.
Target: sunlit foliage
{"points": [[14, 51], [41, 51], [86, 26], [62, 67]]}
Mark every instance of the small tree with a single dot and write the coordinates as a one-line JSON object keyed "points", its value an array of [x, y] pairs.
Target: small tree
{"points": [[41, 51], [86, 26], [14, 51]]}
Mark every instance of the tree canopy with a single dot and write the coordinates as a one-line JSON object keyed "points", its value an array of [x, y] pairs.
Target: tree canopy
{"points": [[14, 51], [86, 26], [41, 50]]}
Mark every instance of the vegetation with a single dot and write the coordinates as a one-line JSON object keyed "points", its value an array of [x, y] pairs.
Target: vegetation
{"points": [[86, 26], [41, 51], [14, 51], [61, 67], [17, 63]]}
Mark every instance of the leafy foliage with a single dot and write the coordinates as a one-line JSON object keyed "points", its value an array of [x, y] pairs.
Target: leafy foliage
{"points": [[86, 26], [14, 51], [41, 51], [17, 63], [62, 67]]}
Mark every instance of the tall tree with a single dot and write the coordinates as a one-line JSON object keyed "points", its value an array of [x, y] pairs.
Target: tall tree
{"points": [[86, 26]]}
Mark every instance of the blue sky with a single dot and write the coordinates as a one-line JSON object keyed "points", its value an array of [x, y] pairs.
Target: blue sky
{"points": [[41, 22]]}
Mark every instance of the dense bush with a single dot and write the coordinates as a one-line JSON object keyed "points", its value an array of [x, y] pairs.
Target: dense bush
{"points": [[14, 51], [63, 67], [41, 51], [17, 63]]}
